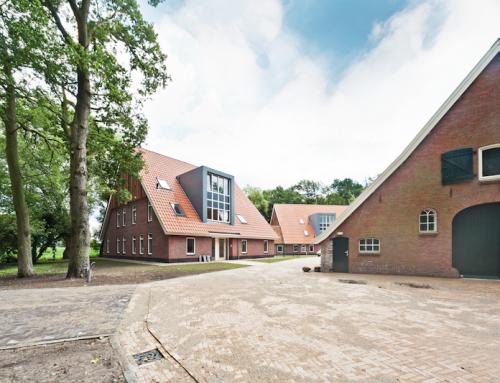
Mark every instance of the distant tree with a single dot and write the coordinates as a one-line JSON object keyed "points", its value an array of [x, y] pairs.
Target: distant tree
{"points": [[343, 192], [257, 197], [312, 192], [281, 195]]}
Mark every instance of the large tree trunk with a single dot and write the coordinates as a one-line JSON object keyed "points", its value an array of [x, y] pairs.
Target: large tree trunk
{"points": [[79, 210], [24, 262]]}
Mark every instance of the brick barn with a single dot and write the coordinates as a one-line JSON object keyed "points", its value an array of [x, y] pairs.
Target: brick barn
{"points": [[180, 212], [297, 226], [436, 209]]}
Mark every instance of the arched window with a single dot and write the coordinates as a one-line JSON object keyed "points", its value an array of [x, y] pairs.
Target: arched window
{"points": [[428, 221]]}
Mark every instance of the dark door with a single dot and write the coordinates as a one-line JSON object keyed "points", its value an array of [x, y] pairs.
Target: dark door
{"points": [[340, 254], [476, 241]]}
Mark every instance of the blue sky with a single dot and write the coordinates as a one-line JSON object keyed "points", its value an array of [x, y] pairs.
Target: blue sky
{"points": [[275, 91]]}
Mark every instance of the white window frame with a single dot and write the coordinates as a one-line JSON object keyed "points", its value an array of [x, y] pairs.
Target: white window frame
{"points": [[107, 245], [480, 164], [187, 246], [311, 248], [117, 245], [141, 244], [117, 218], [426, 213], [134, 245], [295, 248], [303, 248], [124, 248], [244, 241], [278, 249], [150, 244], [266, 246], [162, 184], [134, 215], [124, 217], [150, 211], [372, 245]]}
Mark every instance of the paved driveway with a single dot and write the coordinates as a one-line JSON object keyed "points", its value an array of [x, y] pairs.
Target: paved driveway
{"points": [[274, 323], [31, 316]]}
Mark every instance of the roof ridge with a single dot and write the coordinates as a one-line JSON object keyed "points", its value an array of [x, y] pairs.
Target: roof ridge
{"points": [[169, 157]]}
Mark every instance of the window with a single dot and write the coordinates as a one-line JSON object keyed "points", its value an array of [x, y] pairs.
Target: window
{"points": [[150, 244], [301, 221], [306, 233], [124, 219], [266, 246], [150, 212], [218, 198], [107, 246], [456, 166], [141, 244], [295, 248], [117, 245], [279, 249], [241, 219], [428, 221], [177, 209], [162, 184], [134, 215], [117, 218], [190, 246], [325, 220], [133, 245], [489, 163], [303, 248], [369, 245], [124, 247], [244, 246], [311, 248]]}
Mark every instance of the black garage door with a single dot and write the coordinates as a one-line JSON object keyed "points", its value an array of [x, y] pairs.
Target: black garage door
{"points": [[476, 241]]}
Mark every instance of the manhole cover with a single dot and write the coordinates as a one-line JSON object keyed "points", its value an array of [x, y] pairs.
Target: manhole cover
{"points": [[148, 356], [352, 281]]}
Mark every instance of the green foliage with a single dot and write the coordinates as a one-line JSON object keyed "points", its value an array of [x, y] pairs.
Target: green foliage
{"points": [[340, 192]]}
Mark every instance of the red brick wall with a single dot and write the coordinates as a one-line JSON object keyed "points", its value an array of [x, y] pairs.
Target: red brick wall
{"points": [[255, 248], [288, 250], [391, 213], [142, 226], [177, 248]]}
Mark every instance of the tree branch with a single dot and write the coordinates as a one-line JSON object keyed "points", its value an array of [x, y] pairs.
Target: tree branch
{"points": [[57, 20]]}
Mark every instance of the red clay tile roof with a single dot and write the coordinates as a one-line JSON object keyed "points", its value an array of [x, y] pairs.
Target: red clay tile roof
{"points": [[288, 217], [167, 168]]}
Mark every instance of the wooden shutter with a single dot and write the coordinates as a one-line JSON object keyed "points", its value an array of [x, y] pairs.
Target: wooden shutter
{"points": [[456, 166]]}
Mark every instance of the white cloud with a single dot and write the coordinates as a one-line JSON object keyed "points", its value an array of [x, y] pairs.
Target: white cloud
{"points": [[247, 100]]}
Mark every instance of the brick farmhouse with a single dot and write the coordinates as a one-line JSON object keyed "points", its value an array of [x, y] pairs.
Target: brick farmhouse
{"points": [[297, 226], [436, 209], [180, 212]]}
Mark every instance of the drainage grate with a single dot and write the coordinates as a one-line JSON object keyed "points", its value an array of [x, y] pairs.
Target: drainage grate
{"points": [[415, 285], [352, 281], [148, 356]]}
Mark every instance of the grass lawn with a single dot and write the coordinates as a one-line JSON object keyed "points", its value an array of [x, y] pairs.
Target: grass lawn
{"points": [[283, 258]]}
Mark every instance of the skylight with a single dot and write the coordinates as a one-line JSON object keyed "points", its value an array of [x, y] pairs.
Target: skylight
{"points": [[301, 221], [162, 184], [177, 209], [306, 233], [241, 218]]}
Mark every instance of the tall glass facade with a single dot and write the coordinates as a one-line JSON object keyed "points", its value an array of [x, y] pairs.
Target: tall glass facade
{"points": [[218, 198]]}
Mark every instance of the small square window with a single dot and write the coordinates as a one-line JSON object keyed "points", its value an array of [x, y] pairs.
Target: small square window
{"points": [[162, 184], [279, 249], [301, 221], [177, 210]]}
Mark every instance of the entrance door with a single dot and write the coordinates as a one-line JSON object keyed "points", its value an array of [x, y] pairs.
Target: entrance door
{"points": [[340, 254], [476, 241], [219, 248]]}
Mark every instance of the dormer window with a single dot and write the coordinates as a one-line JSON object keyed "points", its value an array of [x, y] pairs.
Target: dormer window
{"points": [[162, 184], [325, 221], [241, 219], [301, 221], [177, 209], [218, 198]]}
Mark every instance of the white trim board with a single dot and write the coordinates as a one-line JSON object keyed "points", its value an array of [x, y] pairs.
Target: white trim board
{"points": [[424, 132]]}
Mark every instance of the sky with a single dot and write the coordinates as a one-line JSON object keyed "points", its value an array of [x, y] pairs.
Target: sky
{"points": [[278, 91]]}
